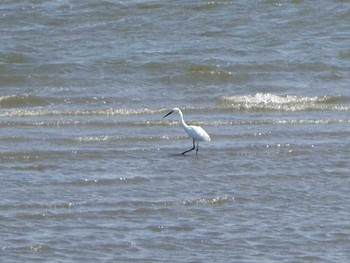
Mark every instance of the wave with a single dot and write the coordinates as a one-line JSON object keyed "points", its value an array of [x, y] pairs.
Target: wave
{"points": [[33, 106], [13, 101], [113, 138], [150, 124], [272, 102], [73, 112]]}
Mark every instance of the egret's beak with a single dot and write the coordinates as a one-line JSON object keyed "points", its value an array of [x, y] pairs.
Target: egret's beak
{"points": [[168, 114]]}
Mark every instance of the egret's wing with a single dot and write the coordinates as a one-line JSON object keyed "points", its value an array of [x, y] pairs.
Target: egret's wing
{"points": [[198, 133]]}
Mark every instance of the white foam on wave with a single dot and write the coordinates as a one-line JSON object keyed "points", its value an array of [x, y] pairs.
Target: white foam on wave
{"points": [[268, 101], [96, 138]]}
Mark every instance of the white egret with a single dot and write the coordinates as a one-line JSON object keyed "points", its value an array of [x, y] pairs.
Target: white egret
{"points": [[197, 133]]}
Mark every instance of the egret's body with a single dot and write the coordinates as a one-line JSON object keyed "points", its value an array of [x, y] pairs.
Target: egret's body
{"points": [[197, 133]]}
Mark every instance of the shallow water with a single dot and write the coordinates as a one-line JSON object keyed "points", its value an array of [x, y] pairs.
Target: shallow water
{"points": [[91, 171]]}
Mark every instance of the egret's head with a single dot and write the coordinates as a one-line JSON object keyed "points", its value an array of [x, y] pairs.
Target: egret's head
{"points": [[177, 110]]}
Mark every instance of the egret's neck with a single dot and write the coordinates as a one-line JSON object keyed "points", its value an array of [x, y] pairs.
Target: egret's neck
{"points": [[182, 121]]}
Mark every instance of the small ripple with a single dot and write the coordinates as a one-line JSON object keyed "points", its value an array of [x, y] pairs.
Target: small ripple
{"points": [[209, 201], [36, 206], [106, 182]]}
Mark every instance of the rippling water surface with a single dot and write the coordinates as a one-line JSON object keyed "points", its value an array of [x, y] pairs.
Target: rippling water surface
{"points": [[90, 171]]}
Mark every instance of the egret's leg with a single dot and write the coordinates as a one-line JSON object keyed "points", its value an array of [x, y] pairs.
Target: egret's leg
{"points": [[190, 149], [197, 147]]}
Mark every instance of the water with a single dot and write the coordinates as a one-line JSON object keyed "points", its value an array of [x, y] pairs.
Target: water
{"points": [[91, 172]]}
